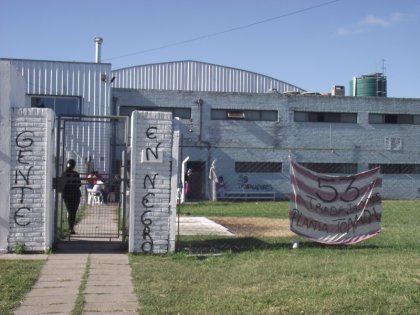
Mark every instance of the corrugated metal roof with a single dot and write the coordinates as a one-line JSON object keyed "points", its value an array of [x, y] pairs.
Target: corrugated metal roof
{"points": [[191, 75]]}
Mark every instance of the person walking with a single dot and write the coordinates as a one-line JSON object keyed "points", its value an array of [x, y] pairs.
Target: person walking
{"points": [[71, 192]]}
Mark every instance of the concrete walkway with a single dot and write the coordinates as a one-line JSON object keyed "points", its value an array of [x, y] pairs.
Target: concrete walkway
{"points": [[57, 287], [98, 270], [109, 287], [103, 277]]}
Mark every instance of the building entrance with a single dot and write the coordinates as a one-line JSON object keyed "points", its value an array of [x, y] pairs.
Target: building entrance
{"points": [[197, 180], [94, 198]]}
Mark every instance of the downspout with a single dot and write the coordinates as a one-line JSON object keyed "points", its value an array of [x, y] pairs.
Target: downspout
{"points": [[200, 103]]}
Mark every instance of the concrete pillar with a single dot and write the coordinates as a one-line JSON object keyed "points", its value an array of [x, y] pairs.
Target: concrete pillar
{"points": [[12, 94], [31, 220], [152, 183]]}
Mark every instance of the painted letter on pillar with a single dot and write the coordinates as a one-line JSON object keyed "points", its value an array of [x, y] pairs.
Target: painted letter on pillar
{"points": [[22, 175], [151, 154]]}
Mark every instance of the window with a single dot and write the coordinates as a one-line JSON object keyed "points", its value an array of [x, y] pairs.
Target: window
{"points": [[218, 114], [257, 167], [181, 112], [61, 105], [332, 168], [236, 115], [268, 115], [394, 119], [328, 117], [391, 119], [184, 113], [376, 119], [397, 168], [251, 115]]}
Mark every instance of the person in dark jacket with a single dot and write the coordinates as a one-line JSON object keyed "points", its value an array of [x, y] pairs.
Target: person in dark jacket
{"points": [[71, 192]]}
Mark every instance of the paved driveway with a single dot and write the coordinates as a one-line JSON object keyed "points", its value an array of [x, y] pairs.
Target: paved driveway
{"points": [[200, 226]]}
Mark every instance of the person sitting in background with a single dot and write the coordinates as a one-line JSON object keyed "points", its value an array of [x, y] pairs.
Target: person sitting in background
{"points": [[100, 188], [91, 180]]}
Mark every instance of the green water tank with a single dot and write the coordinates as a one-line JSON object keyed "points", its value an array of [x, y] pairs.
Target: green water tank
{"points": [[368, 85]]}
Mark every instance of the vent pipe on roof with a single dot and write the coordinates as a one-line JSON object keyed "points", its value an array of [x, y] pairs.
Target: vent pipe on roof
{"points": [[98, 41]]}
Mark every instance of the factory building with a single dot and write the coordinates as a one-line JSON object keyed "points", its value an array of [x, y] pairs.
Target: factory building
{"points": [[244, 123]]}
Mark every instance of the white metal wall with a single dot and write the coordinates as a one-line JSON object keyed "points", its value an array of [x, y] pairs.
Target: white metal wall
{"points": [[197, 76], [91, 82], [69, 79]]}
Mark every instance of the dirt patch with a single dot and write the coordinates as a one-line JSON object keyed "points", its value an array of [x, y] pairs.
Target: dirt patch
{"points": [[255, 226]]}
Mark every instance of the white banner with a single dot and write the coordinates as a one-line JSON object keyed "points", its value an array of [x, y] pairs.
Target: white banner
{"points": [[335, 209]]}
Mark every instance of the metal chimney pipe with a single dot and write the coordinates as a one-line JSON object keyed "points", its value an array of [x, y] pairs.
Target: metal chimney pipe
{"points": [[98, 41]]}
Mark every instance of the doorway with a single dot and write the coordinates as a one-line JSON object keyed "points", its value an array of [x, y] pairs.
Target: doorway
{"points": [[197, 189], [99, 147]]}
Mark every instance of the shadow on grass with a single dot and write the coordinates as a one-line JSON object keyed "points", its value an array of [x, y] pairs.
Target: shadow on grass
{"points": [[243, 244], [217, 245]]}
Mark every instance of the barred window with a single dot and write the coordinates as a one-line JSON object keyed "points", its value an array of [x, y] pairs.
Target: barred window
{"points": [[332, 168], [258, 167], [329, 117], [252, 115], [397, 168], [394, 119]]}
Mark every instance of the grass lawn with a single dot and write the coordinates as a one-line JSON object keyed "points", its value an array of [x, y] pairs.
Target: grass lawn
{"points": [[264, 209], [16, 278], [266, 276]]}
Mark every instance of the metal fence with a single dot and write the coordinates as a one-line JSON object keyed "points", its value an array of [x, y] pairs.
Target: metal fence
{"points": [[95, 196]]}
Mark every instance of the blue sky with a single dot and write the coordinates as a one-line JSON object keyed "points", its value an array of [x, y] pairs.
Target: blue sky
{"points": [[313, 49]]}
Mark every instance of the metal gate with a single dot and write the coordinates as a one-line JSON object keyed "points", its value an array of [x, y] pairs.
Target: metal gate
{"points": [[99, 147]]}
